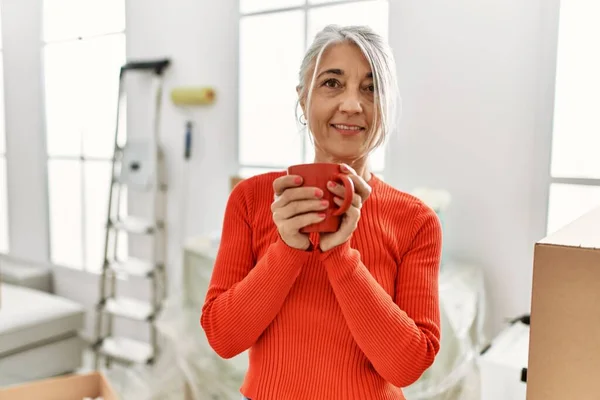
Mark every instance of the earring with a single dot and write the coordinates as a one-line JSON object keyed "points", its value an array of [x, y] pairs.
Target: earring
{"points": [[302, 117]]}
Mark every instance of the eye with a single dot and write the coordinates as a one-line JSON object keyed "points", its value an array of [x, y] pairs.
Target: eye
{"points": [[332, 83], [371, 88]]}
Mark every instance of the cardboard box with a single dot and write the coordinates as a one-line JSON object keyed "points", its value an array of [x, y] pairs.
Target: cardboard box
{"points": [[565, 314], [71, 387]]}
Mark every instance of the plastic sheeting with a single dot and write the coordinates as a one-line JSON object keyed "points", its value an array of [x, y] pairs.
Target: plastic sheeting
{"points": [[187, 368], [188, 363], [454, 375]]}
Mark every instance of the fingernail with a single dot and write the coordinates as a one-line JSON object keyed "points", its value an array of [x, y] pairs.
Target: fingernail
{"points": [[344, 168], [331, 184], [318, 192], [298, 180], [322, 215], [324, 202]]}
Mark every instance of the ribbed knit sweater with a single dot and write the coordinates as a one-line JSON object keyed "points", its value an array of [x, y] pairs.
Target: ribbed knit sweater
{"points": [[357, 322]]}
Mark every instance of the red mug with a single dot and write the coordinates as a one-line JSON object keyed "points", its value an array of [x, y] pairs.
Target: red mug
{"points": [[317, 175]]}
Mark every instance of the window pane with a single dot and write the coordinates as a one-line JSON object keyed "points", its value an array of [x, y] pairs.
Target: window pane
{"points": [[569, 202], [269, 63], [2, 120], [81, 95], [248, 6], [66, 19], [371, 13], [3, 207], [103, 59], [97, 184], [64, 77], [64, 184], [576, 137]]}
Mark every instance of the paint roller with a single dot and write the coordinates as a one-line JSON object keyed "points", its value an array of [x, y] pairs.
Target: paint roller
{"points": [[191, 96]]}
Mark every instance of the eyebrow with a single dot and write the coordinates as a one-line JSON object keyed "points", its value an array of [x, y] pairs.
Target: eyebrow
{"points": [[337, 71]]}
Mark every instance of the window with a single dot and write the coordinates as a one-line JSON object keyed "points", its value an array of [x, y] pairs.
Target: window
{"points": [[84, 48], [575, 168], [277, 33], [3, 184]]}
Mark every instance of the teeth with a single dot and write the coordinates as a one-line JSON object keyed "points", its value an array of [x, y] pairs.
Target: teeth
{"points": [[350, 128]]}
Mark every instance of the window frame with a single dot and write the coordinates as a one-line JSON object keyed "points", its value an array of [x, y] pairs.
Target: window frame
{"points": [[3, 158], [305, 7], [550, 56], [81, 159]]}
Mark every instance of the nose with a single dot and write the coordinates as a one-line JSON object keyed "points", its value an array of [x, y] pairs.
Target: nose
{"points": [[350, 102]]}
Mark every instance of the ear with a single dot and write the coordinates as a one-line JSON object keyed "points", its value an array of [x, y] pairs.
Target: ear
{"points": [[299, 92], [301, 98]]}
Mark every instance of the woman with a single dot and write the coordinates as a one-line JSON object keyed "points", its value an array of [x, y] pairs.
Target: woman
{"points": [[348, 315]]}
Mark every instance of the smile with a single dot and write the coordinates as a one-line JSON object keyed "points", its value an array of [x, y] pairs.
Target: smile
{"points": [[348, 129]]}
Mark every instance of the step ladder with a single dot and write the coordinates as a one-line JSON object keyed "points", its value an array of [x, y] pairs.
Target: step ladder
{"points": [[137, 166]]}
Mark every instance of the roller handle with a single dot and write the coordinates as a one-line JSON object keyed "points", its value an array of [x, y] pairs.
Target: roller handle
{"points": [[188, 140]]}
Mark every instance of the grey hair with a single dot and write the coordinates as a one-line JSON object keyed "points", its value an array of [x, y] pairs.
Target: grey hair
{"points": [[383, 66]]}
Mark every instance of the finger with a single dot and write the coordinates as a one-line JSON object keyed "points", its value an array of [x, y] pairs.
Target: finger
{"points": [[336, 189], [356, 201], [301, 207], [350, 222], [352, 217], [360, 185], [287, 181], [348, 169], [340, 192], [295, 194], [300, 221]]}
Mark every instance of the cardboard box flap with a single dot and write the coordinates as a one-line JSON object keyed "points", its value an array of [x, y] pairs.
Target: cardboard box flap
{"points": [[583, 232], [72, 387]]}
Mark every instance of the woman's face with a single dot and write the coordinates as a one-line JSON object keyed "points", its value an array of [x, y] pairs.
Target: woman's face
{"points": [[342, 104]]}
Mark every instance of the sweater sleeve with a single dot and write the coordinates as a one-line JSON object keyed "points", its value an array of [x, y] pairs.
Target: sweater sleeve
{"points": [[244, 296], [400, 336]]}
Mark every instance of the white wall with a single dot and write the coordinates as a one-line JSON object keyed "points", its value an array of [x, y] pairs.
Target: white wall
{"points": [[25, 142], [475, 122], [201, 38]]}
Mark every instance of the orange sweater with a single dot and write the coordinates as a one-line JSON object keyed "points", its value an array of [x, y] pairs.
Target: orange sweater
{"points": [[357, 322]]}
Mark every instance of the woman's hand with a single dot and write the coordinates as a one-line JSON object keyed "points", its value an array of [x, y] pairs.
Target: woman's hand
{"points": [[294, 208], [362, 191]]}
